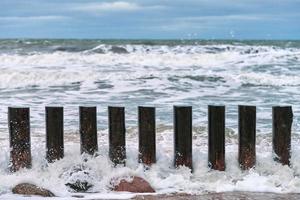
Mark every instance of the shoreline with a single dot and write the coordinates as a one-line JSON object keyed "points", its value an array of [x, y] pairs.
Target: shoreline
{"points": [[238, 195]]}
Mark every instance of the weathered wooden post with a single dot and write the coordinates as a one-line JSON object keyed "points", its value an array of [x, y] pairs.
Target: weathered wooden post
{"points": [[147, 148], [19, 133], [216, 137], [247, 136], [183, 136], [282, 125], [117, 145], [88, 130], [54, 133]]}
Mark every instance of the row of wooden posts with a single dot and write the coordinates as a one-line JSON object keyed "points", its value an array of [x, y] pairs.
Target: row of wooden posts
{"points": [[19, 131]]}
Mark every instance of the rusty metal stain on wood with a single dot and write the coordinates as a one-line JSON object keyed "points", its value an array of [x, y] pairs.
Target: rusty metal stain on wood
{"points": [[54, 133], [216, 137], [282, 124], [117, 144], [147, 144], [19, 132], [247, 136], [88, 130], [183, 136]]}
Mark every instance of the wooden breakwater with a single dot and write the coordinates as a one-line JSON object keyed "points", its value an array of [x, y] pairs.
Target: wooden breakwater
{"points": [[20, 148]]}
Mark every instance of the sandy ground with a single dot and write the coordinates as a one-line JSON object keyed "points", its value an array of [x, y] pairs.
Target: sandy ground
{"points": [[223, 196]]}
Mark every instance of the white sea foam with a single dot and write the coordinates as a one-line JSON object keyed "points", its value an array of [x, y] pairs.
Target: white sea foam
{"points": [[160, 76], [153, 75], [268, 176], [65, 68]]}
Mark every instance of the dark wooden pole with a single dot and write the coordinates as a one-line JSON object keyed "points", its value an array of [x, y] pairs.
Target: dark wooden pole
{"points": [[183, 136], [282, 124], [19, 133], [216, 137], [88, 130], [117, 145], [247, 134], [147, 149], [54, 133]]}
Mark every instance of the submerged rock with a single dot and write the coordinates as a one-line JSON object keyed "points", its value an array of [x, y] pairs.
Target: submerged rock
{"points": [[30, 189], [136, 185], [79, 186], [78, 178]]}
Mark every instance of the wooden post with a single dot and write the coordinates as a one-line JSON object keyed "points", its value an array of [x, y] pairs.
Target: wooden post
{"points": [[247, 134], [54, 133], [117, 145], [216, 137], [19, 133], [88, 130], [183, 136], [147, 149], [282, 124]]}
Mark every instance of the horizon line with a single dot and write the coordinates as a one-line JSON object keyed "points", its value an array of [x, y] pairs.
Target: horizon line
{"points": [[150, 39]]}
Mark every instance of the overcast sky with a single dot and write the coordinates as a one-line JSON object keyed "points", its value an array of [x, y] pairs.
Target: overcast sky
{"points": [[151, 19]]}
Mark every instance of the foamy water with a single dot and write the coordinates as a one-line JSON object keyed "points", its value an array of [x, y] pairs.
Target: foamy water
{"points": [[161, 74]]}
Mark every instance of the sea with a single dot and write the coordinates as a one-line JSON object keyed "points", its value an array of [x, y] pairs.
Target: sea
{"points": [[36, 73]]}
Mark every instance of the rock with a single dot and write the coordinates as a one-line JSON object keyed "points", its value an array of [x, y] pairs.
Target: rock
{"points": [[78, 178], [79, 186], [137, 185], [30, 189]]}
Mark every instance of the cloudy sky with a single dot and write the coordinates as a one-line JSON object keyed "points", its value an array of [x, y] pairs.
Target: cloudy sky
{"points": [[151, 19]]}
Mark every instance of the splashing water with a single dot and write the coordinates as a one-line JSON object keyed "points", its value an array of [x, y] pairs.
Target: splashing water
{"points": [[69, 73]]}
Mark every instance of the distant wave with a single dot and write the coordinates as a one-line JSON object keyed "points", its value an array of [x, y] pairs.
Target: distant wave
{"points": [[35, 73], [142, 46], [244, 65]]}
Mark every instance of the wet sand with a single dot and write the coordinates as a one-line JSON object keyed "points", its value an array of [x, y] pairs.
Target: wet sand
{"points": [[223, 196]]}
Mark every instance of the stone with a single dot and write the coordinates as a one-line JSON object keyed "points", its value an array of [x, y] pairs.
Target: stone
{"points": [[136, 185], [30, 189], [79, 186], [78, 178]]}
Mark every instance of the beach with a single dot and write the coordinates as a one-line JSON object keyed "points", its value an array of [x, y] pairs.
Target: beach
{"points": [[225, 196]]}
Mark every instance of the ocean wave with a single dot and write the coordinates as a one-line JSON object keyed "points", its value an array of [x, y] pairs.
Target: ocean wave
{"points": [[41, 78], [254, 79], [273, 68], [160, 76], [90, 46], [39, 73], [269, 175]]}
